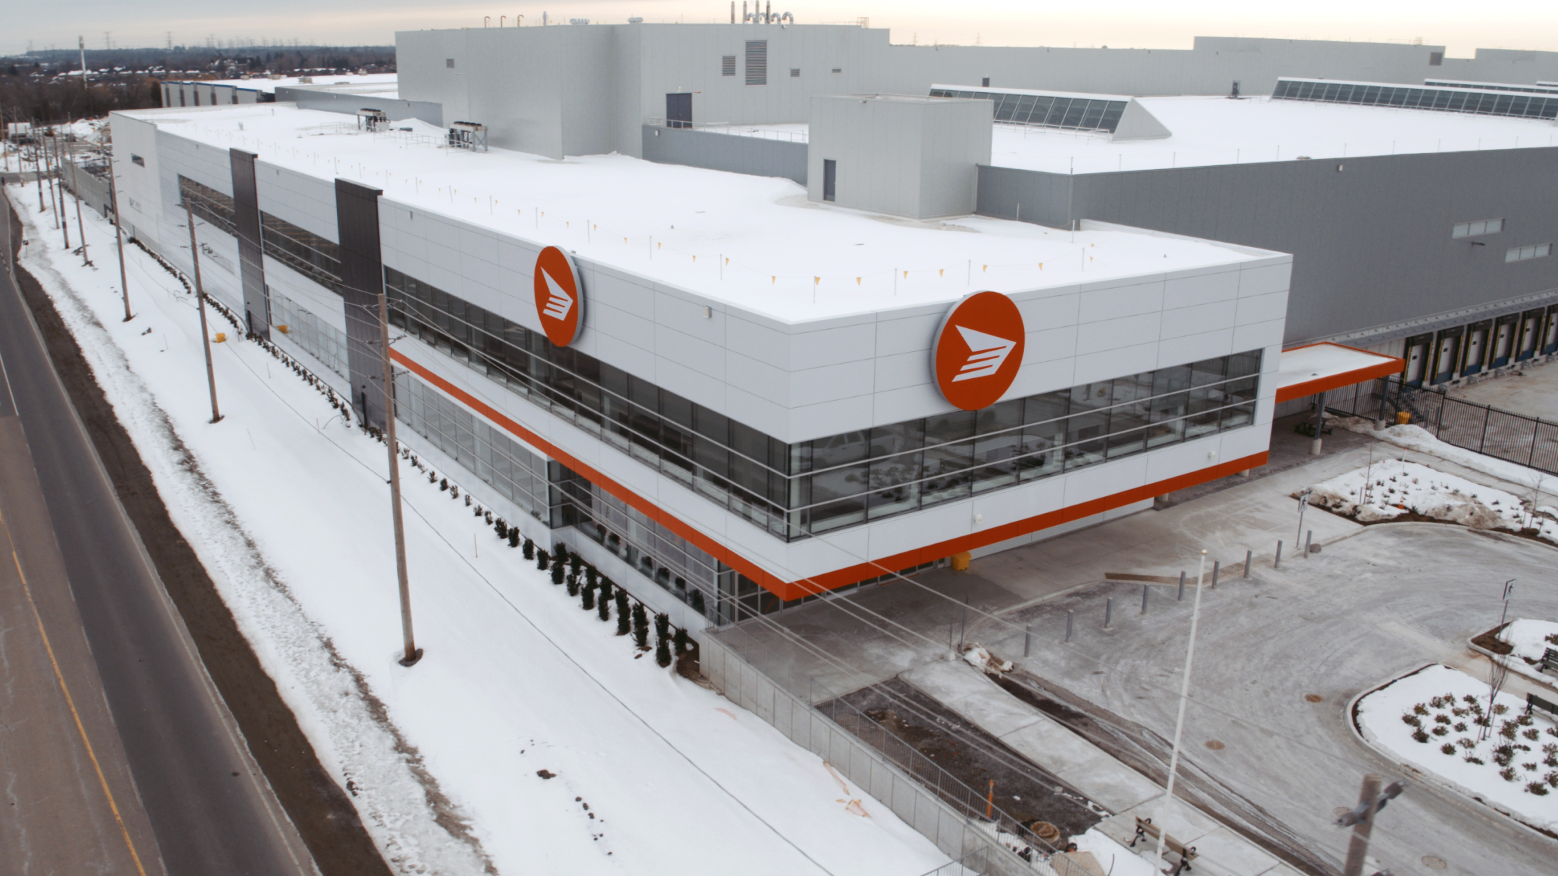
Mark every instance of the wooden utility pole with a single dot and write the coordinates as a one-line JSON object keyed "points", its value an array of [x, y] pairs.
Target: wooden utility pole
{"points": [[200, 296], [75, 185], [113, 195], [413, 654], [59, 204]]}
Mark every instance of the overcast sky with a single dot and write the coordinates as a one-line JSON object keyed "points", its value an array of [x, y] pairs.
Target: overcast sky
{"points": [[1461, 26]]}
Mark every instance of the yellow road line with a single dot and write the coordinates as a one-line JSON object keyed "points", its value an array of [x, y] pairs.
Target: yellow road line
{"points": [[69, 701]]}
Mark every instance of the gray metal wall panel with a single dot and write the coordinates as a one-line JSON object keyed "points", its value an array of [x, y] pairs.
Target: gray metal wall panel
{"points": [[251, 262], [362, 276], [1371, 243], [725, 152]]}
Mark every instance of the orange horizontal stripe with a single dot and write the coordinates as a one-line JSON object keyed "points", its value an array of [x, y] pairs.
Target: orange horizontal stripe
{"points": [[848, 575]]}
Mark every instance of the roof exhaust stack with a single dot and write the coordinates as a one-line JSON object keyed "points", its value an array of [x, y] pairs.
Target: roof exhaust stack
{"points": [[1235, 95]]}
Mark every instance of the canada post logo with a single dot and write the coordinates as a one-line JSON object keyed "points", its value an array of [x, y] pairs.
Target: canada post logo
{"points": [[559, 296], [978, 350]]}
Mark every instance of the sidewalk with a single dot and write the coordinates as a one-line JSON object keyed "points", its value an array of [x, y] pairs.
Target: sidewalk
{"points": [[1092, 771]]}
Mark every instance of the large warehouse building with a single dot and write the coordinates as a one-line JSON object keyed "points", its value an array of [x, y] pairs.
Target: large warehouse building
{"points": [[867, 322]]}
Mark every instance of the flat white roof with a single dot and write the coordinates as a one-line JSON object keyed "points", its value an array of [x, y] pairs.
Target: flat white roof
{"points": [[269, 86], [1315, 368], [1218, 131], [752, 242]]}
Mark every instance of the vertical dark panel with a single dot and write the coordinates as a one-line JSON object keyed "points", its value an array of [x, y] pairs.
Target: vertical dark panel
{"points": [[246, 206], [362, 276]]}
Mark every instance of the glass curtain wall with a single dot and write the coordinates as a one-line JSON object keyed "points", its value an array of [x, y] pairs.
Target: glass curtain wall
{"points": [[1048, 111], [325, 342], [1452, 100], [813, 486]]}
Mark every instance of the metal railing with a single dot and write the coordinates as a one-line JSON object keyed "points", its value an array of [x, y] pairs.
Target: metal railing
{"points": [[1505, 435], [998, 843]]}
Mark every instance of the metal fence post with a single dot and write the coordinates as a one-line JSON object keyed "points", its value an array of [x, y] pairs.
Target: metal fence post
{"points": [[1071, 616], [1308, 539], [1277, 564], [1216, 564], [1181, 596], [1145, 590], [1108, 611], [1248, 556], [1482, 441], [1027, 638], [1531, 457]]}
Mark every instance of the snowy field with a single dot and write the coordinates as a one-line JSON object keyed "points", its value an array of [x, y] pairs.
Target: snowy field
{"points": [[1530, 638], [653, 774], [1389, 489], [1429, 720]]}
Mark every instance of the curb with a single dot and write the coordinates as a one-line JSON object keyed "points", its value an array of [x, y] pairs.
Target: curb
{"points": [[1421, 774]]}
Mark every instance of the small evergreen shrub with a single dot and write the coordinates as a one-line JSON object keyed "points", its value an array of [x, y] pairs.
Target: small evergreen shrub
{"points": [[591, 575], [543, 560], [573, 582], [501, 529], [558, 571], [1508, 774], [662, 626], [1440, 730], [1460, 726], [530, 550], [443, 484], [624, 623], [605, 589], [575, 563], [513, 537], [603, 607], [662, 654], [640, 626], [1536, 788], [697, 602], [589, 596], [680, 640]]}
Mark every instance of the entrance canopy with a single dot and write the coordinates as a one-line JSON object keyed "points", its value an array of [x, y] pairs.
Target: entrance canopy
{"points": [[1315, 368]]}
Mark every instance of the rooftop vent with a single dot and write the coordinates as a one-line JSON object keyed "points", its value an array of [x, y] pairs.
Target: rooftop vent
{"points": [[369, 119], [468, 135]]}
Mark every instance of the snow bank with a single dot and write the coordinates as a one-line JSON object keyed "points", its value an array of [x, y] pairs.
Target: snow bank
{"points": [[1530, 638], [1441, 707], [1113, 857], [1415, 438], [287, 510], [1392, 488]]}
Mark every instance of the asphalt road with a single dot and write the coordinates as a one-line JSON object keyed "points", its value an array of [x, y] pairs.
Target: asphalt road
{"points": [[209, 807]]}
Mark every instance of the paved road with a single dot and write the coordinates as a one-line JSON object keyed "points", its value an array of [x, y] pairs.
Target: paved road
{"points": [[209, 807]]}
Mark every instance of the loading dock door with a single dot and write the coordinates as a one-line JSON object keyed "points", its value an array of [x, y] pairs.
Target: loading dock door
{"points": [[1550, 331], [1416, 359], [1503, 341], [1530, 327], [829, 178], [1447, 354], [1476, 347], [678, 111]]}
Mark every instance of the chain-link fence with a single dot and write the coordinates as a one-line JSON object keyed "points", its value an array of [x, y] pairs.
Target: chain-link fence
{"points": [[1518, 438], [981, 837]]}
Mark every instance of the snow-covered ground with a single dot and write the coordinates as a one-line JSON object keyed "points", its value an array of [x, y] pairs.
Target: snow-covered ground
{"points": [[1415, 438], [1416, 718], [1113, 857], [653, 774], [1530, 638], [1390, 488]]}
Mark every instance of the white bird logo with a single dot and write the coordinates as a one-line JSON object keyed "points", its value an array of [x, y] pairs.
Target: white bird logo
{"points": [[986, 354], [560, 303]]}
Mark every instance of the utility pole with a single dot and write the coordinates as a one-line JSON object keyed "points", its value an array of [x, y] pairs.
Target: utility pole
{"points": [[60, 202], [200, 296], [1179, 723], [81, 43], [113, 195], [75, 187], [37, 165], [413, 654], [1370, 802]]}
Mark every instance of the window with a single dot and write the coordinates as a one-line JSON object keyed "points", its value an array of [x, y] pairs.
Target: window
{"points": [[1472, 229], [757, 62], [314, 257], [727, 65], [136, 159], [795, 72], [449, 62], [1520, 254], [209, 204], [1435, 59]]}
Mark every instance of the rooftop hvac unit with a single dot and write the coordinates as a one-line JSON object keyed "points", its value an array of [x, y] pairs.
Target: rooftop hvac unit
{"points": [[369, 119], [468, 135], [578, 21]]}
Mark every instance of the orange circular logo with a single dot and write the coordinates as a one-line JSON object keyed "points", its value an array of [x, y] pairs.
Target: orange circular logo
{"points": [[559, 296], [978, 350]]}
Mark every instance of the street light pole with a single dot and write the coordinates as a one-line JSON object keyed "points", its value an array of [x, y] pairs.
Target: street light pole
{"points": [[412, 654], [113, 195], [200, 297], [1179, 723]]}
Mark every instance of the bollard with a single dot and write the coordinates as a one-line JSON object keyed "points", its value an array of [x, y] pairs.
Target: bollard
{"points": [[1308, 539], [1181, 596], [1277, 564], [1145, 590], [1248, 554], [1108, 611], [963, 628], [1070, 617], [1215, 565], [1027, 638]]}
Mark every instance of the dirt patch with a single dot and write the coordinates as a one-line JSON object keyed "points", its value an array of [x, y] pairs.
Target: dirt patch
{"points": [[317, 806], [1027, 792], [1489, 640]]}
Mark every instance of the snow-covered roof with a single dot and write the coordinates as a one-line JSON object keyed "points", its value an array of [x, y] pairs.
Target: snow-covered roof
{"points": [[753, 242], [323, 80], [1218, 131], [1315, 368]]}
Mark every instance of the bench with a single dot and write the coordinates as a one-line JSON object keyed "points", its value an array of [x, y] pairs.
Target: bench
{"points": [[1540, 703], [1549, 662], [1145, 829]]}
